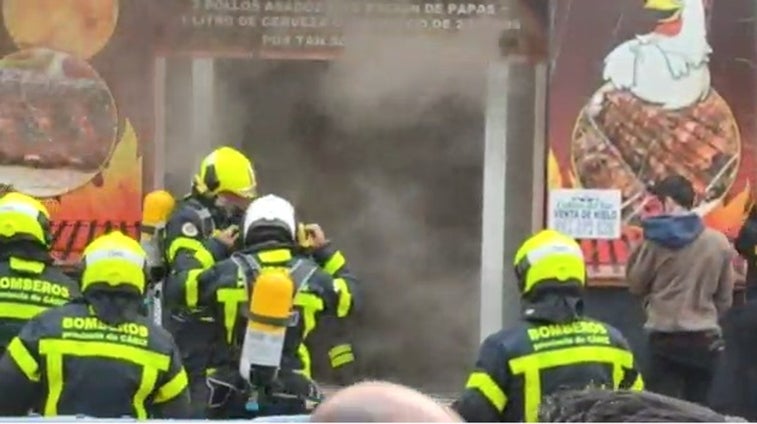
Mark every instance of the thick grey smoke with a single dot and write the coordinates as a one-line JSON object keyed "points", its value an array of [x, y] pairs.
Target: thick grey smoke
{"points": [[382, 146]]}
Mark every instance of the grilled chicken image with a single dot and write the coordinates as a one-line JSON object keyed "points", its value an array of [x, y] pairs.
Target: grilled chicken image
{"points": [[657, 114]]}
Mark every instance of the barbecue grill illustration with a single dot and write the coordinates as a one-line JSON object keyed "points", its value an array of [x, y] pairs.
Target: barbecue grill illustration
{"points": [[656, 114]]}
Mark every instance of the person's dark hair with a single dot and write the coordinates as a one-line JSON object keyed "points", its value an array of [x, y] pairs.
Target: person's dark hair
{"points": [[599, 405], [677, 188], [268, 235]]}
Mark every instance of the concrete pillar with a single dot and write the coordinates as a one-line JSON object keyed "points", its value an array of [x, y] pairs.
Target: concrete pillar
{"points": [[203, 105], [157, 180], [514, 175], [188, 119]]}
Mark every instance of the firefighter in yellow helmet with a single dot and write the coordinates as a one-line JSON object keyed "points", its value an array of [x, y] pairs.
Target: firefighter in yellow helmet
{"points": [[201, 230], [324, 293], [29, 282], [97, 356], [553, 347]]}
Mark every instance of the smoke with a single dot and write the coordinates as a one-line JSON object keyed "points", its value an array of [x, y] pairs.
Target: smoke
{"points": [[383, 147]]}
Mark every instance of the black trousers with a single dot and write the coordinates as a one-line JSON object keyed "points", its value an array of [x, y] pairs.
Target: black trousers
{"points": [[682, 365]]}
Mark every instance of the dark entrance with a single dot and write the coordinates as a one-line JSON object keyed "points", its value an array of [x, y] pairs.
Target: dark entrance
{"points": [[401, 197]]}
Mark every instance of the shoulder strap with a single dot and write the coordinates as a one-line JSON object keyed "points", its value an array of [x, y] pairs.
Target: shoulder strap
{"points": [[301, 273], [248, 266]]}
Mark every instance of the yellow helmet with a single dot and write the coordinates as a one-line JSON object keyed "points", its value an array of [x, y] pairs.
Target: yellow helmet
{"points": [[226, 170], [549, 256], [23, 217], [114, 261]]}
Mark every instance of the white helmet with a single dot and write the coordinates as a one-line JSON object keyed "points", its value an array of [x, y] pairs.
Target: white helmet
{"points": [[269, 210]]}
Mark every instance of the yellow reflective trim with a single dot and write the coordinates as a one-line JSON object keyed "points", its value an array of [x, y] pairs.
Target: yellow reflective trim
{"points": [[19, 310], [335, 263], [342, 360], [304, 354], [486, 385], [55, 349], [339, 350], [136, 355], [310, 304], [231, 298], [173, 388], [638, 384], [54, 362], [275, 256], [198, 251], [192, 288], [530, 366], [345, 297], [25, 361], [146, 386], [33, 267]]}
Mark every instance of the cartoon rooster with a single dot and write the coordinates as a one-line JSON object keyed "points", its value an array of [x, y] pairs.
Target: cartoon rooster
{"points": [[668, 66], [656, 114]]}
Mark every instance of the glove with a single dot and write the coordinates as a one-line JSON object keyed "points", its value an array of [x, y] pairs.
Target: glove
{"points": [[222, 385], [294, 385]]}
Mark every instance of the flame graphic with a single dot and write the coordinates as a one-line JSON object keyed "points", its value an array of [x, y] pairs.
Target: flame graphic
{"points": [[117, 198], [730, 214]]}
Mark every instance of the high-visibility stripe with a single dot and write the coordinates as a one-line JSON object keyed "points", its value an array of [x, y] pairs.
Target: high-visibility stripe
{"points": [[345, 297], [25, 361], [20, 208], [341, 355], [230, 299], [146, 386], [310, 305], [192, 288], [19, 310], [275, 256], [115, 253], [638, 384], [339, 350], [173, 388], [54, 362], [54, 350], [531, 366], [199, 251], [34, 267], [304, 354], [489, 388], [556, 248], [143, 357], [335, 263]]}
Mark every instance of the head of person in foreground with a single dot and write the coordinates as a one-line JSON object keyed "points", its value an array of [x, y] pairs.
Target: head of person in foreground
{"points": [[378, 401], [599, 405]]}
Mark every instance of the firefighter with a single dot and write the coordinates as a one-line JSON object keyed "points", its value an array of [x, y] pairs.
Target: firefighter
{"points": [[97, 356], [271, 240], [554, 346], [29, 282], [200, 231]]}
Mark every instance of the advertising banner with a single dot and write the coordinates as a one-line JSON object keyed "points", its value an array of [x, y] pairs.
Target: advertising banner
{"points": [[642, 90], [314, 29], [75, 107]]}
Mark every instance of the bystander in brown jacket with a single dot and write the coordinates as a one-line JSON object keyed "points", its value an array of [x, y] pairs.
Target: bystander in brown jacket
{"points": [[684, 275]]}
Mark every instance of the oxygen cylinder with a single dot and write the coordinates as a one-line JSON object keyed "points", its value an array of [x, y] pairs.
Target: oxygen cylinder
{"points": [[156, 209], [270, 307]]}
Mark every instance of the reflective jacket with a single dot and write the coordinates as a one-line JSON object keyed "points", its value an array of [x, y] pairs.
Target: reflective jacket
{"points": [[67, 362], [224, 288], [517, 368], [29, 285], [191, 249]]}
